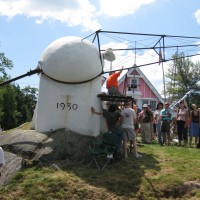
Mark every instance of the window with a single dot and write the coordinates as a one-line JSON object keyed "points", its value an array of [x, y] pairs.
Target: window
{"points": [[145, 102], [153, 105], [134, 83]]}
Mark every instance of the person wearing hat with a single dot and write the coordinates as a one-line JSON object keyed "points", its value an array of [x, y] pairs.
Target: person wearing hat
{"points": [[145, 117], [112, 83], [151, 124], [166, 118]]}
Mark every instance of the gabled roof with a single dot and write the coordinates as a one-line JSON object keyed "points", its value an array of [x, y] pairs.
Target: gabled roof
{"points": [[131, 72]]}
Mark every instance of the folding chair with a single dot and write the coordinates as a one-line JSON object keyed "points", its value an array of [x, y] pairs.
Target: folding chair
{"points": [[107, 149]]}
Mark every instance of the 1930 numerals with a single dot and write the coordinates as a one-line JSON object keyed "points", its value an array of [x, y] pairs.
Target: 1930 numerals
{"points": [[68, 106]]}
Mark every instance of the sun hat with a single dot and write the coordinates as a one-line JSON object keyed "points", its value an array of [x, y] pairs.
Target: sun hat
{"points": [[145, 106]]}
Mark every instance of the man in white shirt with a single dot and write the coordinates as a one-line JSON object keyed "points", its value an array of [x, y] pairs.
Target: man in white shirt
{"points": [[2, 162], [128, 122]]}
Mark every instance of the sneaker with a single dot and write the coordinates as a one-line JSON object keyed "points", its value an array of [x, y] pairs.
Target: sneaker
{"points": [[138, 155]]}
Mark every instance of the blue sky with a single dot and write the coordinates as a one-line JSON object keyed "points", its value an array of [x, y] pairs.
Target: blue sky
{"points": [[29, 26]]}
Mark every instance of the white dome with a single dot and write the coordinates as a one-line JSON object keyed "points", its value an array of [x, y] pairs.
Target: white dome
{"points": [[70, 59]]}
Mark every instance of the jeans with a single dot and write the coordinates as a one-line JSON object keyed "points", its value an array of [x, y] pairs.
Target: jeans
{"points": [[119, 133], [158, 128], [182, 131]]}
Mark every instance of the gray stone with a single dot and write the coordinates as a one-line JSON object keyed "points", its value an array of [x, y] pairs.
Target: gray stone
{"points": [[22, 142], [27, 147], [13, 163], [64, 144]]}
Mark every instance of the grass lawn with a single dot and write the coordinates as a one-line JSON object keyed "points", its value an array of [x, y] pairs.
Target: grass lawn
{"points": [[164, 172]]}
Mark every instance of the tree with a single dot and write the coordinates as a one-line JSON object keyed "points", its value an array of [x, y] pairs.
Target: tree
{"points": [[26, 100], [8, 114], [16, 105], [5, 101], [184, 76], [5, 63]]}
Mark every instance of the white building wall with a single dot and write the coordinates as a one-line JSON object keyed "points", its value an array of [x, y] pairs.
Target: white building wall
{"points": [[68, 106]]}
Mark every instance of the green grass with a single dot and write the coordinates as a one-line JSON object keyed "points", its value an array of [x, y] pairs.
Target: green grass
{"points": [[162, 173], [25, 126]]}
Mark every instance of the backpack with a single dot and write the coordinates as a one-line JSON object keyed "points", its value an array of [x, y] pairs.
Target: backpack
{"points": [[147, 117]]}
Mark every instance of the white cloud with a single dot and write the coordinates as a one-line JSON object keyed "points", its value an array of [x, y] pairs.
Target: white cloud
{"points": [[197, 16], [73, 12], [153, 72], [119, 8], [196, 59]]}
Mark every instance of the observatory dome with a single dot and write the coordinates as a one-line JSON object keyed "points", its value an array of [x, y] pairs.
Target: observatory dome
{"points": [[71, 59]]}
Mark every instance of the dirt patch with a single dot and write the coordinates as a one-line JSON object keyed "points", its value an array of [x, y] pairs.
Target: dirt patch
{"points": [[187, 189]]}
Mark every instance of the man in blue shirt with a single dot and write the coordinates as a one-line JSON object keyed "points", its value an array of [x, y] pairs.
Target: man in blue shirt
{"points": [[166, 117]]}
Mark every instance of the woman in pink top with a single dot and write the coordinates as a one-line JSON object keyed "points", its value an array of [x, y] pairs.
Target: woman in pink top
{"points": [[182, 116]]}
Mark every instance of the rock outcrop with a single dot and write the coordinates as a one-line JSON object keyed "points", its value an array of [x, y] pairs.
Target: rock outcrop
{"points": [[29, 146]]}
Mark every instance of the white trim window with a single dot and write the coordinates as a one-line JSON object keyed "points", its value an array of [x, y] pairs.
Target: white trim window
{"points": [[144, 101], [150, 102], [153, 105], [134, 83]]}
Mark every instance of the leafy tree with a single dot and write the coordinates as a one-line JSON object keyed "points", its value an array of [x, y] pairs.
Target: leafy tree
{"points": [[1, 100], [5, 63], [16, 105], [8, 119], [26, 100], [184, 76], [5, 101]]}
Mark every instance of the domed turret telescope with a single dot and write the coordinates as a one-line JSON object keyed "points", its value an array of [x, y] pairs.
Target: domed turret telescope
{"points": [[70, 72], [69, 84]]}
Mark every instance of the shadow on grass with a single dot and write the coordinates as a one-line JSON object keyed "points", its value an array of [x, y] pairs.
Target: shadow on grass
{"points": [[123, 178]]}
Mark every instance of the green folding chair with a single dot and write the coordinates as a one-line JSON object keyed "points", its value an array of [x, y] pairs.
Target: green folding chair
{"points": [[107, 149]]}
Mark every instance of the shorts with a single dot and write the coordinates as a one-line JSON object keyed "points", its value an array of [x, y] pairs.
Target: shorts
{"points": [[114, 91], [165, 126], [128, 134]]}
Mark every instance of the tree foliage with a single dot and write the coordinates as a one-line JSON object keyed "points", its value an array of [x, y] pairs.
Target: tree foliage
{"points": [[16, 105], [184, 76], [5, 63], [8, 119], [26, 100]]}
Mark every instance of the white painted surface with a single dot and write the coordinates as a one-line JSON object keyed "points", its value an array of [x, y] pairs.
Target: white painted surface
{"points": [[62, 105], [69, 59]]}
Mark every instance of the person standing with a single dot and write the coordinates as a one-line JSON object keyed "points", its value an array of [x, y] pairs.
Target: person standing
{"points": [[151, 124], [166, 115], [198, 145], [181, 119], [112, 83], [145, 117], [157, 121], [195, 124], [113, 119], [2, 162], [128, 121]]}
